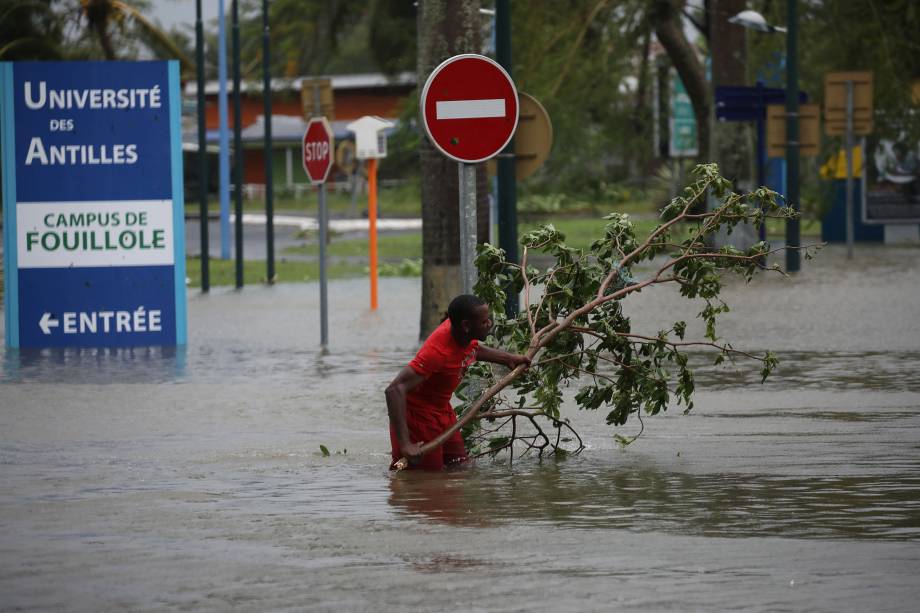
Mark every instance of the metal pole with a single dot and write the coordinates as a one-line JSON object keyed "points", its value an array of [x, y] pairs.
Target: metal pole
{"points": [[372, 226], [323, 294], [224, 153], [761, 154], [507, 182], [237, 146], [202, 153], [323, 237], [793, 261], [849, 147], [467, 176], [269, 150]]}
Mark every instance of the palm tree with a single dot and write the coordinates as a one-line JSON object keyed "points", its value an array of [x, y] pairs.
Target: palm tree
{"points": [[29, 29], [102, 14]]}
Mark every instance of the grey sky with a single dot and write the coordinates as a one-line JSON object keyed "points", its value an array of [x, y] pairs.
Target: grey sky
{"points": [[174, 13]]}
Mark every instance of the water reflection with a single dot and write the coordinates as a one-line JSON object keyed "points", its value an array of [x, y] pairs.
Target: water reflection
{"points": [[583, 493], [447, 497], [825, 370], [94, 365]]}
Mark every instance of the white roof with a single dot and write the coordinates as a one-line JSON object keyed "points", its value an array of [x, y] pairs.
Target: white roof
{"points": [[285, 129], [346, 81]]}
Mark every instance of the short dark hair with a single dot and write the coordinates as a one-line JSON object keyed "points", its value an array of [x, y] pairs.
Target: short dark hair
{"points": [[461, 308]]}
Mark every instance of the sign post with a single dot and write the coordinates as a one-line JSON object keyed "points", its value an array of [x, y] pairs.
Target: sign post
{"points": [[94, 211], [317, 161], [533, 138], [754, 104], [469, 108], [371, 145], [848, 110], [683, 141]]}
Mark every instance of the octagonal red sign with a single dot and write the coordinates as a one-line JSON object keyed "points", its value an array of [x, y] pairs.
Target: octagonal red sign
{"points": [[469, 108], [317, 150]]}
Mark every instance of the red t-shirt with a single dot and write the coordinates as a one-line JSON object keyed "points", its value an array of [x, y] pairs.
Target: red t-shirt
{"points": [[442, 361]]}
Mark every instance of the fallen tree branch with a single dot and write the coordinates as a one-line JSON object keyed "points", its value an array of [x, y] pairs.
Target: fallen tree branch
{"points": [[586, 295]]}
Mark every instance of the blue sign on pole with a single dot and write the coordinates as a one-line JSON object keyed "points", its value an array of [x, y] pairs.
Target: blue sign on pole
{"points": [[683, 142], [93, 204], [749, 103]]}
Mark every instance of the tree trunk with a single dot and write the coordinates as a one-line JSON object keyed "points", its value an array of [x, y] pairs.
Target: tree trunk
{"points": [[665, 16], [445, 28], [730, 140], [97, 15], [641, 118]]}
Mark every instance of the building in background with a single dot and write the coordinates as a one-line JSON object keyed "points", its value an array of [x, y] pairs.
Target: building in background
{"points": [[355, 95]]}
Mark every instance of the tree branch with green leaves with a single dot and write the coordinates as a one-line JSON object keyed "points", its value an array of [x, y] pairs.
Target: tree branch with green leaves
{"points": [[578, 332]]}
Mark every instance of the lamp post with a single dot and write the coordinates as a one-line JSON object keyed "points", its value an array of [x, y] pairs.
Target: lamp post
{"points": [[507, 183], [755, 21]]}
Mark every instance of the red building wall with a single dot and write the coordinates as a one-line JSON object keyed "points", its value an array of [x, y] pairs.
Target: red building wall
{"points": [[349, 104]]}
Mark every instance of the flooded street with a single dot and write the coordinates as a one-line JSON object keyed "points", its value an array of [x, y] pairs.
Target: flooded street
{"points": [[193, 479]]}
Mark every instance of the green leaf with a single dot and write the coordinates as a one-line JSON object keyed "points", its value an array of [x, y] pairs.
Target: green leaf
{"points": [[623, 441], [324, 450]]}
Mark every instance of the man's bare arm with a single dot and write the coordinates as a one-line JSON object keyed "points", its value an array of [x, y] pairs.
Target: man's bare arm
{"points": [[396, 393], [497, 356]]}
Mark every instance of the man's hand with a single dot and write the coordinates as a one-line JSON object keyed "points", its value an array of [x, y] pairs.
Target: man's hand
{"points": [[515, 360], [497, 356], [411, 451]]}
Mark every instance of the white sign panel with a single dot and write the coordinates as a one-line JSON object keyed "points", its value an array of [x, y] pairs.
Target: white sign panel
{"points": [[84, 234]]}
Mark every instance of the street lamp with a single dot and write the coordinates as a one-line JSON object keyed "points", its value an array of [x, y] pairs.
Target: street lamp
{"points": [[756, 21]]}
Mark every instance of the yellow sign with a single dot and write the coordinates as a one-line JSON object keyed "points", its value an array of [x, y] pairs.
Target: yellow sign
{"points": [[308, 98], [835, 102], [533, 138], [809, 129], [836, 165]]}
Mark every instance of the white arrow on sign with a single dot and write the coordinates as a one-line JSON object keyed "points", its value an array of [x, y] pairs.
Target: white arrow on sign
{"points": [[47, 323]]}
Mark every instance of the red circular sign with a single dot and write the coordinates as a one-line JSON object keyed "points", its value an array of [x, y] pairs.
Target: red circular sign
{"points": [[317, 150], [469, 108]]}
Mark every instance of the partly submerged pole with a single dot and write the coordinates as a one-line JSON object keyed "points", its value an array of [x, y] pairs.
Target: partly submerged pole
{"points": [[507, 181], [237, 147], [793, 229], [202, 152], [372, 226], [223, 155], [269, 176]]}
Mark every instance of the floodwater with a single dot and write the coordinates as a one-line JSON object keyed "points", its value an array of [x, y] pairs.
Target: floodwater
{"points": [[192, 480]]}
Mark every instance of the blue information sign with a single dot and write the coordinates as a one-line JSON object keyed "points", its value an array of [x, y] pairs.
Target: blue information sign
{"points": [[749, 103], [93, 204]]}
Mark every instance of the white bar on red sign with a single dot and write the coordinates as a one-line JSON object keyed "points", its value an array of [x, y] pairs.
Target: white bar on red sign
{"points": [[470, 109]]}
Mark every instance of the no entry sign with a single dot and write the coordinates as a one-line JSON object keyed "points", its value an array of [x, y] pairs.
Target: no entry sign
{"points": [[317, 150], [469, 108]]}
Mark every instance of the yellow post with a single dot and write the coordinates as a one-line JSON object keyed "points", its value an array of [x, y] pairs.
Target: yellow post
{"points": [[372, 226]]}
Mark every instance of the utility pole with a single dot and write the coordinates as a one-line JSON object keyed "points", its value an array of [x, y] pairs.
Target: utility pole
{"points": [[269, 177], [793, 261], [237, 146], [202, 152], [507, 182]]}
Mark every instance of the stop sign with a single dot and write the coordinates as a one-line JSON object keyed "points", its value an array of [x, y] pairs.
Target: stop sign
{"points": [[469, 108], [317, 150]]}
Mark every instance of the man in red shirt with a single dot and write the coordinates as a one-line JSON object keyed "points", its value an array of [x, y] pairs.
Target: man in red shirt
{"points": [[418, 399]]}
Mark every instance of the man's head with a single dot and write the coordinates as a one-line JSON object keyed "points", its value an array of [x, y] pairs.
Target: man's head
{"points": [[469, 317]]}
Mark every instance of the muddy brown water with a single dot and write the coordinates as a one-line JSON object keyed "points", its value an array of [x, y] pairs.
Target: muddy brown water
{"points": [[192, 479]]}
